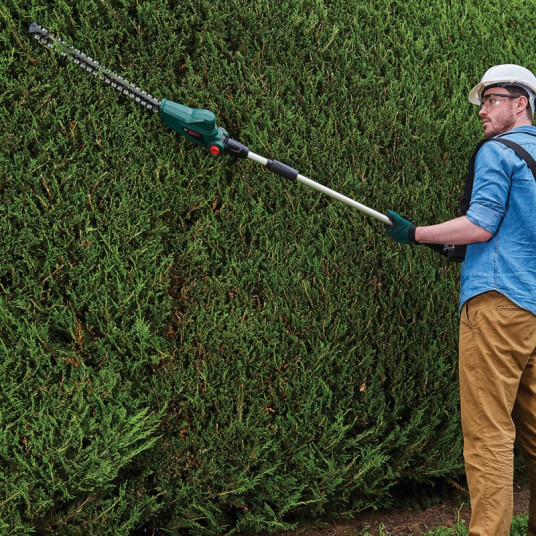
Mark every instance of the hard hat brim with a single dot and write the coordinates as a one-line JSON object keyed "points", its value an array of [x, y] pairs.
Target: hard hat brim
{"points": [[476, 92]]}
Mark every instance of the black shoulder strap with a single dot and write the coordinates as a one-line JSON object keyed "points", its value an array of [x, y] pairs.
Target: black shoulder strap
{"points": [[522, 153], [465, 201]]}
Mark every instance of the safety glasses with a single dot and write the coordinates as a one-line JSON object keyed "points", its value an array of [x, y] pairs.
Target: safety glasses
{"points": [[492, 100]]}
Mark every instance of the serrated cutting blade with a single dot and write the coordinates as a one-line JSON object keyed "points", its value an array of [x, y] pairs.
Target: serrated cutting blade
{"points": [[91, 66]]}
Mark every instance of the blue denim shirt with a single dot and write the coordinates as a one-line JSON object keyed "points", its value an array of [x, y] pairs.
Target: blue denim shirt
{"points": [[504, 203]]}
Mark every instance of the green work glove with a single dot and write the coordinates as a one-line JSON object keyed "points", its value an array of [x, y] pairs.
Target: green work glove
{"points": [[401, 229]]}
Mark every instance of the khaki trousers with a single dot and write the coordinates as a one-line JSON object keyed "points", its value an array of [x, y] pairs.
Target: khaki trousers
{"points": [[498, 406]]}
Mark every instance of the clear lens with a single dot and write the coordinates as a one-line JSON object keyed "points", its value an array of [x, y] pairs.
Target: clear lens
{"points": [[493, 100], [490, 101]]}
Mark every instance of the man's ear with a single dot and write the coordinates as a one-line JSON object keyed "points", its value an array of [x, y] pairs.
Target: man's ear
{"points": [[522, 103]]}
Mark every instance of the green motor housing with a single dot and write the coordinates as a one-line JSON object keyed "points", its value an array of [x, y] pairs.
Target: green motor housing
{"points": [[196, 124]]}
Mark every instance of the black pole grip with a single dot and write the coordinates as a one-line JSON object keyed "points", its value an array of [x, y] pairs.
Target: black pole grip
{"points": [[236, 148], [452, 253], [281, 169], [438, 248]]}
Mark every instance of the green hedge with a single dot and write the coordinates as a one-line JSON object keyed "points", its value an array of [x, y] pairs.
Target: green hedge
{"points": [[194, 341]]}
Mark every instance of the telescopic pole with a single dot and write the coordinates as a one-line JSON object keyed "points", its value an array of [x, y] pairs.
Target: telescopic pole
{"points": [[238, 149]]}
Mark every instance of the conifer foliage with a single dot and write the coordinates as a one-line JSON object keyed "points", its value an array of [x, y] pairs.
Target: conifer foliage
{"points": [[191, 341]]}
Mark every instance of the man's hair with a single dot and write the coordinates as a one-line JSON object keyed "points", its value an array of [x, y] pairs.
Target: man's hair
{"points": [[517, 91]]}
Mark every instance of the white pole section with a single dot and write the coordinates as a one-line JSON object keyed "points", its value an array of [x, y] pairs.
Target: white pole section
{"points": [[328, 191], [257, 158], [336, 195]]}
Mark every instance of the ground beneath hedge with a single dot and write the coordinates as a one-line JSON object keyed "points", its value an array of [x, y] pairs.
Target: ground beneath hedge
{"points": [[408, 522], [395, 523]]}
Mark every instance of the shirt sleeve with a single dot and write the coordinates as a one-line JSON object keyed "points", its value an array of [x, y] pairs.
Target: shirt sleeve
{"points": [[491, 186]]}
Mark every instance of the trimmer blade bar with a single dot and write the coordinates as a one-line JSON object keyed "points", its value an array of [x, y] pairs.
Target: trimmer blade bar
{"points": [[91, 66]]}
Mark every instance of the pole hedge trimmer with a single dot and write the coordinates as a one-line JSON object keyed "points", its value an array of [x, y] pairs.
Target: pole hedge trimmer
{"points": [[198, 125]]}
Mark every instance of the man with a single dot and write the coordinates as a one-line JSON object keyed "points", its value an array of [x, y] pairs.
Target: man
{"points": [[497, 357]]}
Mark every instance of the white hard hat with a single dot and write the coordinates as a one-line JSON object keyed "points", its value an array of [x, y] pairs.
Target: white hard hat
{"points": [[506, 75]]}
